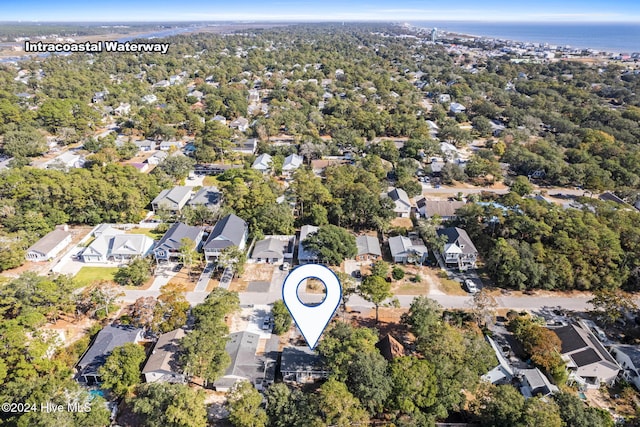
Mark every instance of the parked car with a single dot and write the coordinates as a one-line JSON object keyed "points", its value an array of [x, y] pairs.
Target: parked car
{"points": [[266, 323], [471, 286], [357, 274], [178, 267], [285, 266]]}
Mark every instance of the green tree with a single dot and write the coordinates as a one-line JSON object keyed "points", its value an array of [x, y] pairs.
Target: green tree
{"points": [[500, 406], [521, 186], [332, 244], [414, 384], [24, 143], [575, 413], [380, 268], [170, 311], [612, 304], [244, 403], [336, 406], [368, 380], [176, 166], [233, 257], [397, 273], [189, 254], [172, 405], [281, 317], [135, 274], [341, 343], [286, 407], [375, 289], [121, 370]]}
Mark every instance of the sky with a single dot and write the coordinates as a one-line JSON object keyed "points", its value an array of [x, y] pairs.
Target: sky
{"points": [[328, 10]]}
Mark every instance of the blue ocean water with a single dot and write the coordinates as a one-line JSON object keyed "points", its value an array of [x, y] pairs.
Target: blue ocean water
{"points": [[609, 37]]}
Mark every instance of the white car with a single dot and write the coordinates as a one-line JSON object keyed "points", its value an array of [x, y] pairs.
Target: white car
{"points": [[285, 266], [471, 286]]}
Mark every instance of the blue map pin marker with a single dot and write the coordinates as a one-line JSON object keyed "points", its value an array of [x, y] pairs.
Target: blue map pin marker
{"points": [[312, 320]]}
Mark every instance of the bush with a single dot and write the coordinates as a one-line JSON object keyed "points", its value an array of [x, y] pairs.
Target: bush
{"points": [[397, 273]]}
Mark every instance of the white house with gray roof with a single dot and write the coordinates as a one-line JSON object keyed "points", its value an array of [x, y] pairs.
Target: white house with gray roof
{"points": [[172, 199], [112, 245], [273, 250], [306, 256], [162, 365], [291, 163], [50, 245], [245, 365], [168, 248], [402, 203], [262, 163], [404, 249], [229, 231], [459, 250]]}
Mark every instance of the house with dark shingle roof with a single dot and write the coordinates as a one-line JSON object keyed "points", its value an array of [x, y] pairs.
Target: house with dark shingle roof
{"points": [[390, 348], [302, 365], [210, 197], [459, 250], [162, 365], [445, 209], [168, 248], [368, 248], [628, 356], [229, 231], [588, 362], [108, 338], [406, 249], [273, 249]]}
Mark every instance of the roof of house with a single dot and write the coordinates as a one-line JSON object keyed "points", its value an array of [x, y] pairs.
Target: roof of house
{"points": [[457, 237], [175, 195], [130, 244], [49, 241], [163, 356], [582, 346], [303, 253], [538, 382], [292, 161], [610, 197], [268, 248], [300, 359], [229, 231], [368, 245], [399, 245], [398, 194], [107, 339], [439, 207], [632, 351], [172, 239], [208, 196], [390, 348], [241, 348], [262, 162], [240, 121]]}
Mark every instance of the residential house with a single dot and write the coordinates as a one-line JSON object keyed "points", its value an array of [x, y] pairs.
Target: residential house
{"points": [[150, 98], [458, 249], [628, 357], [116, 246], [108, 338], [168, 248], [50, 245], [240, 123], [219, 118], [433, 128], [405, 249], [368, 248], [534, 383], [246, 147], [122, 110], [172, 199], [245, 366], [457, 108], [262, 163], [162, 365], [444, 98], [291, 163], [588, 362], [229, 231], [273, 250], [145, 145], [99, 96], [157, 158], [168, 145], [162, 83], [306, 256], [444, 209], [209, 197], [390, 348], [65, 161], [402, 203], [302, 365]]}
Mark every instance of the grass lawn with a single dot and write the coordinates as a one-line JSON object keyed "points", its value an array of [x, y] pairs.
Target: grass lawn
{"points": [[451, 287], [150, 232], [88, 275], [209, 181]]}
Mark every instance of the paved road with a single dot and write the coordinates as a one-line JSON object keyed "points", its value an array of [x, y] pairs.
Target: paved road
{"points": [[428, 189]]}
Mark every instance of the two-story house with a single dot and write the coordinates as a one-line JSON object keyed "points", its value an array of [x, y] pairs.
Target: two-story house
{"points": [[229, 231], [168, 248], [172, 200], [458, 249]]}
